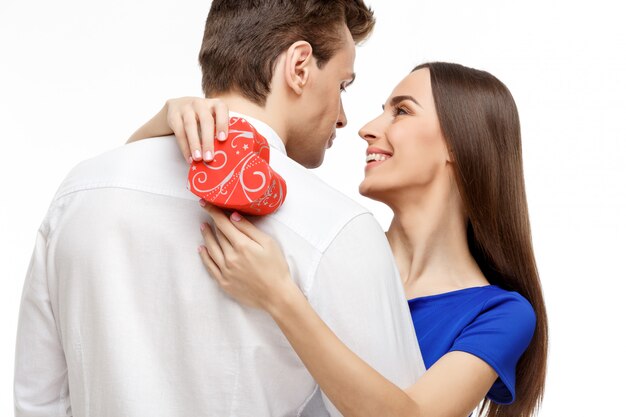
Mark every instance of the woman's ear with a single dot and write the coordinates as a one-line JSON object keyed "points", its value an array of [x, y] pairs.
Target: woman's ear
{"points": [[449, 156], [299, 58]]}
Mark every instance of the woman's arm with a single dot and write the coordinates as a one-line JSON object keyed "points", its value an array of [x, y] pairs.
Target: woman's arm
{"points": [[249, 266], [195, 121], [452, 387]]}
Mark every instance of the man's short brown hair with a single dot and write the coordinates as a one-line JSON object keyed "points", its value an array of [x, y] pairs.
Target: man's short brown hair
{"points": [[243, 39]]}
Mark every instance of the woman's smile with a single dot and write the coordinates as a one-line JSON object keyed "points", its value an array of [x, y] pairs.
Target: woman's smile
{"points": [[375, 156]]}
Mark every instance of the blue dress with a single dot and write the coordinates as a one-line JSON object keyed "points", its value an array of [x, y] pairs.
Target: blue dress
{"points": [[488, 322]]}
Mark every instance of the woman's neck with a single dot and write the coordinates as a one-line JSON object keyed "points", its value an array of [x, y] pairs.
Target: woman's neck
{"points": [[429, 242]]}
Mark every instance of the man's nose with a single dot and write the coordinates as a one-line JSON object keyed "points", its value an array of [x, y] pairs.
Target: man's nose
{"points": [[342, 120]]}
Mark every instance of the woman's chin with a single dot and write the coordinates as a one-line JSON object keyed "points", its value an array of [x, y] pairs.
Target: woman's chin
{"points": [[364, 190], [371, 192]]}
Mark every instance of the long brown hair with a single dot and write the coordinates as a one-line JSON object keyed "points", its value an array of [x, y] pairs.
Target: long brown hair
{"points": [[480, 123]]}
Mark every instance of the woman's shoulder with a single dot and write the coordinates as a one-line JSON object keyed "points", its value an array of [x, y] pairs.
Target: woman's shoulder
{"points": [[505, 321], [499, 334], [508, 305]]}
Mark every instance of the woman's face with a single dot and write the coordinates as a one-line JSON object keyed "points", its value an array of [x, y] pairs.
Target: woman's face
{"points": [[407, 156]]}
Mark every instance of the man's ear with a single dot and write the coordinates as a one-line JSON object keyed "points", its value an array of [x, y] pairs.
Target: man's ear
{"points": [[298, 62]]}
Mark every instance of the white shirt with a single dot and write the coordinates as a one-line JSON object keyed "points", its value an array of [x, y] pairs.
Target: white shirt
{"points": [[120, 318]]}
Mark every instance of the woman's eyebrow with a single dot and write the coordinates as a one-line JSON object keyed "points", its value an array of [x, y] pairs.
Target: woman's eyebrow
{"points": [[397, 99]]}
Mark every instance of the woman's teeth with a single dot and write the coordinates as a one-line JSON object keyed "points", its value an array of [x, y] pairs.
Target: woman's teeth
{"points": [[376, 157]]}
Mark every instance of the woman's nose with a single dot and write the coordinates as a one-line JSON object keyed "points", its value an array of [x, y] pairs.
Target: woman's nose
{"points": [[371, 130]]}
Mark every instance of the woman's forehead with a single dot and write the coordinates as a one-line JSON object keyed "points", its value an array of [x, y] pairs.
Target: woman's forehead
{"points": [[416, 84]]}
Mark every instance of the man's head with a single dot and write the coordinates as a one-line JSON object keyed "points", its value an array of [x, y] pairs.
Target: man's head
{"points": [[291, 57]]}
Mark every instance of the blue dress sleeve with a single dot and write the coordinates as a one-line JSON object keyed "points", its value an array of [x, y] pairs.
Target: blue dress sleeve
{"points": [[499, 335]]}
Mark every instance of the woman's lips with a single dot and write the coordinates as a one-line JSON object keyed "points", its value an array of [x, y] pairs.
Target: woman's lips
{"points": [[376, 156], [373, 164]]}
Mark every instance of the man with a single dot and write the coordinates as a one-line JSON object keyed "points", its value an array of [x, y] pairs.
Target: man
{"points": [[118, 315]]}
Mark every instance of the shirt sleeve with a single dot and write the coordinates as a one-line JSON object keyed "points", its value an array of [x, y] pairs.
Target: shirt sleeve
{"points": [[499, 336], [40, 381], [358, 293]]}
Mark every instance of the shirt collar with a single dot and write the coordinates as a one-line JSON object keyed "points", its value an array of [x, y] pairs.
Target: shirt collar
{"points": [[265, 130]]}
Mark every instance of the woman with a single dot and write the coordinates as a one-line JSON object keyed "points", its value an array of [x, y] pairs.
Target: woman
{"points": [[445, 156]]}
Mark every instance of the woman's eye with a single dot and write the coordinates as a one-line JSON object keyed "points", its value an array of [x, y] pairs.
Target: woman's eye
{"points": [[399, 111]]}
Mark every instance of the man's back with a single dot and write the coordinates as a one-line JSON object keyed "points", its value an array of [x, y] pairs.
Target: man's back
{"points": [[119, 310]]}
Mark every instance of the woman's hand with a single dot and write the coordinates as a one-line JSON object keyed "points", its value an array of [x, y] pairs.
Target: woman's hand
{"points": [[195, 122], [248, 264]]}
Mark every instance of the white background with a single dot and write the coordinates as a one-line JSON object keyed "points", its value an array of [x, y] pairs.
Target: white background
{"points": [[78, 77]]}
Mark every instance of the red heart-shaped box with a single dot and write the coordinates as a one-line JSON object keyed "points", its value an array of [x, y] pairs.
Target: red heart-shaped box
{"points": [[239, 177]]}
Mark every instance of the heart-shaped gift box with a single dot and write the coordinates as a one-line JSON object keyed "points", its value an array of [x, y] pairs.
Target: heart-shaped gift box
{"points": [[239, 177]]}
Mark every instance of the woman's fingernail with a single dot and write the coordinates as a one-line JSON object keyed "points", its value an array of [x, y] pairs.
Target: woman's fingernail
{"points": [[202, 227], [190, 160], [199, 249], [202, 202], [235, 216], [221, 136], [208, 156], [197, 154]]}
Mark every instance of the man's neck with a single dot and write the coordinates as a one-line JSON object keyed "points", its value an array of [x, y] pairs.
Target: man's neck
{"points": [[242, 105]]}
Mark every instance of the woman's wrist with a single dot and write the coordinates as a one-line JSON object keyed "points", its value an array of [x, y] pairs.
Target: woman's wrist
{"points": [[161, 117], [284, 300], [157, 126]]}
